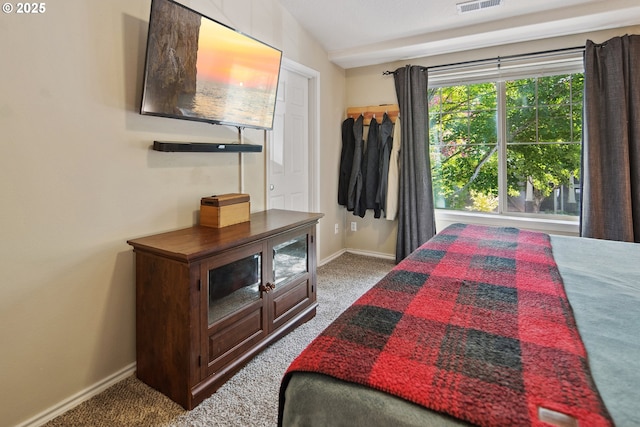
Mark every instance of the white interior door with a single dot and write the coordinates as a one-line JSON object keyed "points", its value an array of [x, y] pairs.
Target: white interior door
{"points": [[288, 181]]}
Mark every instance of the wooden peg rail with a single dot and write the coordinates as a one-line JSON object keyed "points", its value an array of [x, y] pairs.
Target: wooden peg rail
{"points": [[376, 111]]}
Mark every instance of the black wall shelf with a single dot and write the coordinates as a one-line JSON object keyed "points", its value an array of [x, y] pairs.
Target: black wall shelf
{"points": [[204, 147]]}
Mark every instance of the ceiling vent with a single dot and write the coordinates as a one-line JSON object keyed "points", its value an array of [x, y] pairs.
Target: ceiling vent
{"points": [[473, 6]]}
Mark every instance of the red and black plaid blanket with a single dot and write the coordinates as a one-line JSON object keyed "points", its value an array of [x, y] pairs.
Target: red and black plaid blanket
{"points": [[475, 324]]}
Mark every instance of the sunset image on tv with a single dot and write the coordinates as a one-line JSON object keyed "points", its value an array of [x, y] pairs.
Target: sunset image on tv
{"points": [[199, 69], [236, 76]]}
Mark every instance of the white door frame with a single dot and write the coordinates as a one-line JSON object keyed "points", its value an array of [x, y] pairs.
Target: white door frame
{"points": [[314, 135]]}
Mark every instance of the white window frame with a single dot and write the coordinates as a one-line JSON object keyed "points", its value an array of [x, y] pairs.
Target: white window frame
{"points": [[500, 70]]}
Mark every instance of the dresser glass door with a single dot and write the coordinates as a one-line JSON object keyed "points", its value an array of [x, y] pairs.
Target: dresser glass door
{"points": [[290, 259], [233, 286]]}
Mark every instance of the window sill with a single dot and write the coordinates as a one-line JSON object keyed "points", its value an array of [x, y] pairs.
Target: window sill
{"points": [[545, 225]]}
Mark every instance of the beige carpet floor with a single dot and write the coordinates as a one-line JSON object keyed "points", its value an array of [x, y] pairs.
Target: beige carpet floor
{"points": [[250, 398]]}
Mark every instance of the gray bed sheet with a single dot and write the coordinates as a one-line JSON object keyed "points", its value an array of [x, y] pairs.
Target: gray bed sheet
{"points": [[602, 281]]}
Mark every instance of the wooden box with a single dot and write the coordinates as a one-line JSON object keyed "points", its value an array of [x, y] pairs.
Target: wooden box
{"points": [[224, 210]]}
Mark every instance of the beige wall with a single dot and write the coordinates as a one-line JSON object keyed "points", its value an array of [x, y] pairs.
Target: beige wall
{"points": [[78, 179], [368, 86]]}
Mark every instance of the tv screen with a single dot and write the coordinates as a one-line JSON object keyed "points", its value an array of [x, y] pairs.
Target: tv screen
{"points": [[199, 69]]}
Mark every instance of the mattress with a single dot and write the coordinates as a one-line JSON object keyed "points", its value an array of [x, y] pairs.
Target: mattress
{"points": [[602, 283]]}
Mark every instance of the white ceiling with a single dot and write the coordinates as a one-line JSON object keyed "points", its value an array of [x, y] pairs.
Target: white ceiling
{"points": [[366, 32]]}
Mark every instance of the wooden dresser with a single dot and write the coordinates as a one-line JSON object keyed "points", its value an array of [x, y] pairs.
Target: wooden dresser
{"points": [[209, 299]]}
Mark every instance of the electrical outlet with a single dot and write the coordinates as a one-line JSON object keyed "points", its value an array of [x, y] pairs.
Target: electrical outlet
{"points": [[336, 228], [354, 226]]}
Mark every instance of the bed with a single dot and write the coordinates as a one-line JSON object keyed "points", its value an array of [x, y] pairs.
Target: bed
{"points": [[347, 376]]}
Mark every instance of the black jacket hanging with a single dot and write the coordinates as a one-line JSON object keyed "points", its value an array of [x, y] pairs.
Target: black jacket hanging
{"points": [[355, 180], [346, 161]]}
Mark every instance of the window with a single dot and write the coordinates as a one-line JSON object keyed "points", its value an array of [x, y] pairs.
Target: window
{"points": [[508, 143]]}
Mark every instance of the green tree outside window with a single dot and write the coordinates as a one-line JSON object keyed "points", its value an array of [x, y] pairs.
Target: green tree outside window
{"points": [[542, 135]]}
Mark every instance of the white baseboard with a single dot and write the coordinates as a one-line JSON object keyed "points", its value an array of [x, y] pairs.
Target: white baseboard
{"points": [[73, 401], [372, 254], [356, 252], [331, 257]]}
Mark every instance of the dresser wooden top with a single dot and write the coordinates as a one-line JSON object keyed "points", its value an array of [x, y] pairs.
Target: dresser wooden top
{"points": [[197, 242]]}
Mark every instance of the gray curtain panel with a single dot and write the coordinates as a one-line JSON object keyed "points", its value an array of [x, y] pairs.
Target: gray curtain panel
{"points": [[611, 150], [416, 221]]}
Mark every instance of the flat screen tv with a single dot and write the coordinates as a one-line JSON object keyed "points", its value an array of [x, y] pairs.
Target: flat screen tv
{"points": [[199, 69]]}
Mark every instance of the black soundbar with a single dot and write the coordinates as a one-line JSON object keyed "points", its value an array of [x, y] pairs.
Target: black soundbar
{"points": [[205, 147]]}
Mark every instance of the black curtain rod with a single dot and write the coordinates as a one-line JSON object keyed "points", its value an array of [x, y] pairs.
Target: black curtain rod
{"points": [[499, 58], [386, 73]]}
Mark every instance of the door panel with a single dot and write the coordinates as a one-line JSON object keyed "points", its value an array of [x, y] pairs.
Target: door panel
{"points": [[235, 318], [289, 152]]}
